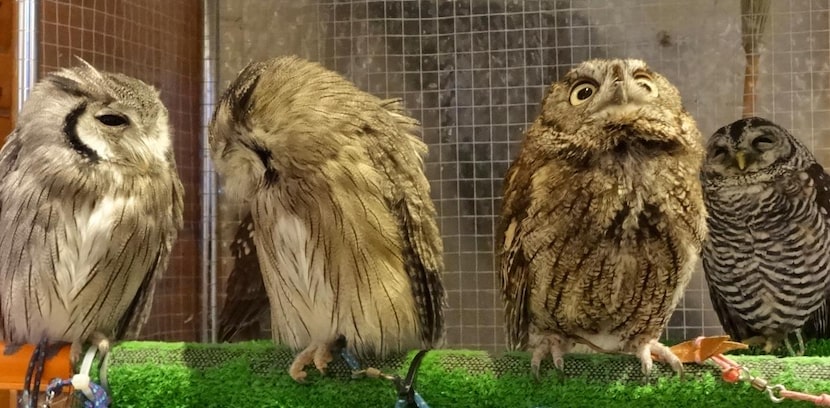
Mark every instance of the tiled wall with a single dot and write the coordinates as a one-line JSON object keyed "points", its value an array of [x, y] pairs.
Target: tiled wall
{"points": [[158, 42], [474, 72]]}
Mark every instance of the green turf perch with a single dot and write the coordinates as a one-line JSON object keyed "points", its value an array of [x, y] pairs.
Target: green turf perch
{"points": [[253, 374]]}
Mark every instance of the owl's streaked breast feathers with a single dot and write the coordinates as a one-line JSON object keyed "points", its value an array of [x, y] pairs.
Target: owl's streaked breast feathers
{"points": [[90, 206], [602, 214]]}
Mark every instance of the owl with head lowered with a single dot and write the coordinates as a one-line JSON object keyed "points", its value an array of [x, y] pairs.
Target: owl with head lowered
{"points": [[342, 222], [603, 217], [767, 257]]}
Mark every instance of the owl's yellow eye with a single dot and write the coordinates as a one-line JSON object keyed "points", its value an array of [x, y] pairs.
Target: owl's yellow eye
{"points": [[581, 92], [645, 81]]}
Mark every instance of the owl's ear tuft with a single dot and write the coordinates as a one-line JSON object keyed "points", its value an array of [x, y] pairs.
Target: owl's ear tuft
{"points": [[67, 83], [89, 68]]}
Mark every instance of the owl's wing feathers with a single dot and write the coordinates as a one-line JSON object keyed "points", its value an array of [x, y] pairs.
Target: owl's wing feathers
{"points": [[246, 298], [734, 325], [8, 162], [515, 270], [138, 312], [818, 325], [399, 155]]}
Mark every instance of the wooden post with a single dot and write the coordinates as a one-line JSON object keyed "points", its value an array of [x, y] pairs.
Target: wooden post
{"points": [[8, 66]]}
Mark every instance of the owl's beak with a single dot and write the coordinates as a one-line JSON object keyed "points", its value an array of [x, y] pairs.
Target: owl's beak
{"points": [[620, 94], [740, 158]]}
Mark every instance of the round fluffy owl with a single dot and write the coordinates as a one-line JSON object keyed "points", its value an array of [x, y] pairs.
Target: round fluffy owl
{"points": [[342, 222], [767, 257], [603, 216], [90, 206]]}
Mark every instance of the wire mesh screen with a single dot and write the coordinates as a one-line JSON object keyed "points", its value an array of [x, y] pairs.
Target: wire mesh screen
{"points": [[159, 43], [474, 72]]}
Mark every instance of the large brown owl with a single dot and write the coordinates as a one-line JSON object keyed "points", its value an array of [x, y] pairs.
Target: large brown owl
{"points": [[603, 215]]}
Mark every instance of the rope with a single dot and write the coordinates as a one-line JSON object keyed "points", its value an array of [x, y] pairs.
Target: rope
{"points": [[733, 372], [93, 395]]}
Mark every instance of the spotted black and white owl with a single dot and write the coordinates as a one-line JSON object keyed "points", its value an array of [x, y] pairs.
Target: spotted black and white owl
{"points": [[90, 206], [343, 224], [767, 258], [603, 217]]}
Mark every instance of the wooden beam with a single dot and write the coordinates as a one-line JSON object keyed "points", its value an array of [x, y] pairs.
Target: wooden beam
{"points": [[8, 67]]}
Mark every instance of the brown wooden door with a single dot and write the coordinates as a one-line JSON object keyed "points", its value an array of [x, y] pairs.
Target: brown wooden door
{"points": [[8, 86]]}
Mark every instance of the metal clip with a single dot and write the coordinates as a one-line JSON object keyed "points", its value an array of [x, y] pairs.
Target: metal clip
{"points": [[774, 393], [759, 383]]}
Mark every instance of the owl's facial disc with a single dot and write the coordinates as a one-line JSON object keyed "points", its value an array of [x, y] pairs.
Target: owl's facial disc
{"points": [[758, 149], [99, 127], [750, 151], [616, 99]]}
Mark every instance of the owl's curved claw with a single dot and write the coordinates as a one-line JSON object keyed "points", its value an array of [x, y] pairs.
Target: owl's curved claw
{"points": [[663, 353], [539, 353], [322, 358], [297, 369]]}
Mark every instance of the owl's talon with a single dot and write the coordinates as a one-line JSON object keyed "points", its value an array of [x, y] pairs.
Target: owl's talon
{"points": [[322, 358], [558, 348], [299, 375], [297, 369], [645, 351], [539, 353], [534, 370]]}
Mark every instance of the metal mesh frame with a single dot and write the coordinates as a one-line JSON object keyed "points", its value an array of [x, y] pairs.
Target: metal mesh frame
{"points": [[473, 72]]}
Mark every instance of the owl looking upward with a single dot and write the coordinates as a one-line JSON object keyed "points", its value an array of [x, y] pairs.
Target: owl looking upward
{"points": [[603, 216], [767, 257], [343, 224]]}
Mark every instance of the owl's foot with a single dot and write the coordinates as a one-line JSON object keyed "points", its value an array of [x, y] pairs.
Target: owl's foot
{"points": [[97, 339], [759, 341], [800, 339], [649, 347], [770, 345], [322, 358], [315, 353], [557, 348]]}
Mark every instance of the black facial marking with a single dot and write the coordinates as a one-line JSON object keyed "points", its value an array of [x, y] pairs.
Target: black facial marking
{"points": [[272, 176], [736, 130], [263, 154], [70, 130]]}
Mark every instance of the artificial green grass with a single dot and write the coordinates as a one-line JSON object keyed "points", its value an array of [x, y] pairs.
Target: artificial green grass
{"points": [[253, 374]]}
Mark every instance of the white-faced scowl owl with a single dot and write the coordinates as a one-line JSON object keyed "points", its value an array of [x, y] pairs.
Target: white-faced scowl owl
{"points": [[90, 206], [767, 257], [343, 223], [603, 215]]}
